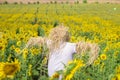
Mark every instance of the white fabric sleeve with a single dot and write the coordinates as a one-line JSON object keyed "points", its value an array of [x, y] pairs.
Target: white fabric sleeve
{"points": [[74, 48]]}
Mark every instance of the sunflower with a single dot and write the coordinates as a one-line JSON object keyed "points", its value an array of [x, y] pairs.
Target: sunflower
{"points": [[116, 54], [12, 47], [18, 43], [96, 62], [76, 64], [118, 69], [69, 77], [2, 47], [17, 50], [25, 53], [116, 77], [103, 56], [9, 69], [55, 76], [30, 70]]}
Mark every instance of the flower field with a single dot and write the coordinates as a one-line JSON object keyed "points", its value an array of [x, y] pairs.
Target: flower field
{"points": [[95, 23]]}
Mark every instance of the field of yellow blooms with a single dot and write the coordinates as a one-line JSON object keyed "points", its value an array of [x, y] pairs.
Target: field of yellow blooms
{"points": [[95, 23]]}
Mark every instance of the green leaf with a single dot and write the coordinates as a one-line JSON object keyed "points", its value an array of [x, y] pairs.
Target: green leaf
{"points": [[35, 72]]}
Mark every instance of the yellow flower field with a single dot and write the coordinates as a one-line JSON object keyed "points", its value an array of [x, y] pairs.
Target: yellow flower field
{"points": [[95, 23]]}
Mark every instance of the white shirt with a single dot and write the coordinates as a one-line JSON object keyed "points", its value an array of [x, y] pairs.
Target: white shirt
{"points": [[60, 57]]}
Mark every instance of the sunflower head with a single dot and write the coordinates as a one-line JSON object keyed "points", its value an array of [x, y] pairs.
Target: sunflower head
{"points": [[9, 69], [103, 56]]}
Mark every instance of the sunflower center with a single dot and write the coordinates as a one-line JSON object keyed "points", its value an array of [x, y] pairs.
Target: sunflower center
{"points": [[10, 69]]}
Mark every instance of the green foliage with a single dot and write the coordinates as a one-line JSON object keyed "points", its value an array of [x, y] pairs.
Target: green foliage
{"points": [[9, 51], [43, 78], [40, 31], [99, 71], [84, 1], [56, 23], [34, 20], [37, 66], [17, 31]]}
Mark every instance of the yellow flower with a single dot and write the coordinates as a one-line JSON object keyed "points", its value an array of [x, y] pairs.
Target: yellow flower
{"points": [[12, 47], [103, 56], [2, 47], [17, 50], [79, 64], [35, 51], [1, 34], [118, 69], [70, 62], [116, 54], [96, 62], [56, 75], [106, 49], [8, 70], [18, 43], [69, 77], [25, 53], [44, 61], [73, 39], [29, 70], [118, 76], [114, 78], [102, 67], [9, 57]]}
